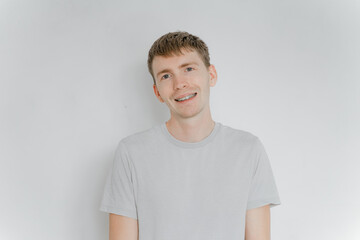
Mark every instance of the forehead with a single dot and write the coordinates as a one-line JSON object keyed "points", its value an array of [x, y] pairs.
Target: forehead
{"points": [[174, 61]]}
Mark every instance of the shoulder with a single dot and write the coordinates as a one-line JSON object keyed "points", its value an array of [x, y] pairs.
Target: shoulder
{"points": [[140, 139], [230, 134]]}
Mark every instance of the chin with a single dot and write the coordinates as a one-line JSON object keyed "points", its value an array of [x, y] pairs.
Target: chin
{"points": [[189, 115]]}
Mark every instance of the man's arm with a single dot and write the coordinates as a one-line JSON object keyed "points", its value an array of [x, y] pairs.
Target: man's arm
{"points": [[257, 225], [123, 228]]}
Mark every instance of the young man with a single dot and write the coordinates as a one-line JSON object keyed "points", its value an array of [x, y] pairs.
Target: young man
{"points": [[191, 177]]}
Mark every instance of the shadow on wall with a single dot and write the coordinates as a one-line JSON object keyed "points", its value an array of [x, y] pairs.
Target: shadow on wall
{"points": [[143, 108]]}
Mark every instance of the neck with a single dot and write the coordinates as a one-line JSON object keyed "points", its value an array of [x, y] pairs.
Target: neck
{"points": [[190, 130]]}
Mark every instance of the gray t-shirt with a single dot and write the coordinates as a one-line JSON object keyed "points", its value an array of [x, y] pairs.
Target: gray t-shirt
{"points": [[179, 190]]}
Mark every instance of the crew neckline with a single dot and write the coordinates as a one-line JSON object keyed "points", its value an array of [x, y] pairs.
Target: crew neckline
{"points": [[179, 143]]}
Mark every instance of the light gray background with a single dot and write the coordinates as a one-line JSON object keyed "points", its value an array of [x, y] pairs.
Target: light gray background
{"points": [[74, 82]]}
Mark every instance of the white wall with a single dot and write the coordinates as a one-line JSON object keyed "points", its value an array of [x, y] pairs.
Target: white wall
{"points": [[74, 82]]}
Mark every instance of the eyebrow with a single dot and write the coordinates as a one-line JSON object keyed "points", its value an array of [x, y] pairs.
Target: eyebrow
{"points": [[181, 66]]}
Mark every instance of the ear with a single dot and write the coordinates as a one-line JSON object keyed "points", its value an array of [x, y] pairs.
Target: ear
{"points": [[213, 75], [157, 93]]}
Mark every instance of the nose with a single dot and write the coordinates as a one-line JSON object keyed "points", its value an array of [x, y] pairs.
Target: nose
{"points": [[180, 82]]}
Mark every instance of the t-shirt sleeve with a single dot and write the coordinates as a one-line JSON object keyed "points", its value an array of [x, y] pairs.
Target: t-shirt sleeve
{"points": [[263, 190], [118, 197]]}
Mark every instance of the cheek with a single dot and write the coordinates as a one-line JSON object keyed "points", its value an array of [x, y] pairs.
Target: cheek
{"points": [[164, 89]]}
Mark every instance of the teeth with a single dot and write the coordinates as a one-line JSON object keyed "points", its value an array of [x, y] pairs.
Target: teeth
{"points": [[185, 98]]}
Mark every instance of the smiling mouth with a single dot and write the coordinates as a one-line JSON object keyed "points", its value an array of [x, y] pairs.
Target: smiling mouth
{"points": [[186, 98]]}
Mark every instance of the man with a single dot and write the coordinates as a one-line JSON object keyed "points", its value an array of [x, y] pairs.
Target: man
{"points": [[191, 177]]}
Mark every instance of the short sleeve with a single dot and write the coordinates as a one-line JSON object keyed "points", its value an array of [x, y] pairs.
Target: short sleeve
{"points": [[263, 190], [118, 197]]}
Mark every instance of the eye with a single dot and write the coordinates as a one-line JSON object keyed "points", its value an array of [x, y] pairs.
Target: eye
{"points": [[188, 69], [166, 76]]}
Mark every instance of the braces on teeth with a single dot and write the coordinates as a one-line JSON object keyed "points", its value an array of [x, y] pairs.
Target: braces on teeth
{"points": [[185, 98]]}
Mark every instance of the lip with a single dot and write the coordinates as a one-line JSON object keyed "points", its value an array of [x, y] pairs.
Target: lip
{"points": [[184, 95]]}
